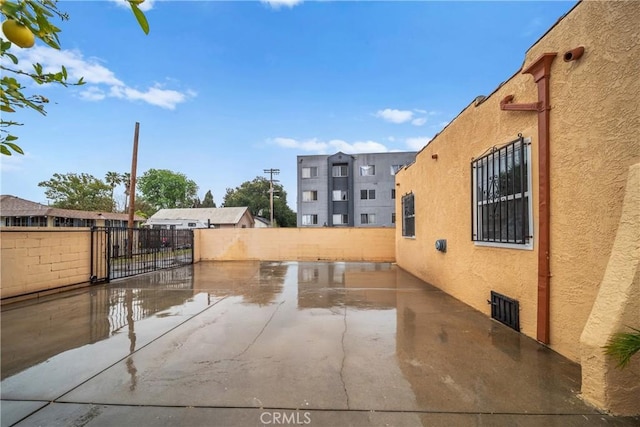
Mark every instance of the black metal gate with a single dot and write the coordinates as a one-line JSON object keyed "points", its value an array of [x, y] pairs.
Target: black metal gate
{"points": [[123, 252]]}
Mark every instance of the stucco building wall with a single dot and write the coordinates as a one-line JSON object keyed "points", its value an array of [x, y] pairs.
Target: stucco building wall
{"points": [[36, 261], [297, 244], [594, 125]]}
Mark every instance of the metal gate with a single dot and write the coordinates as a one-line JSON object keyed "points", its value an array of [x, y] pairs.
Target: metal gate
{"points": [[122, 252]]}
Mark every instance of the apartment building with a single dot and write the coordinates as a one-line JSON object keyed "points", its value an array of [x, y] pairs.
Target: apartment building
{"points": [[343, 190]]}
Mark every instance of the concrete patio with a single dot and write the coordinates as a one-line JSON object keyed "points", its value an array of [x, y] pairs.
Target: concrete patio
{"points": [[267, 343]]}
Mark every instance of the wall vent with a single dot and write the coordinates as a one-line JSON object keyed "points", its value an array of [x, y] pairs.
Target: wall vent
{"points": [[505, 310]]}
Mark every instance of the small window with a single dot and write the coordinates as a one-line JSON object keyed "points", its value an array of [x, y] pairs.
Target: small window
{"points": [[309, 196], [368, 218], [395, 169], [367, 170], [408, 216], [393, 193], [340, 219], [393, 218], [191, 224], [501, 201], [340, 170], [310, 172], [367, 194], [309, 219], [340, 196]]}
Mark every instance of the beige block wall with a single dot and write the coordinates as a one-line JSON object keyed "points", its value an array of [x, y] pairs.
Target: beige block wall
{"points": [[35, 260], [297, 244], [594, 127]]}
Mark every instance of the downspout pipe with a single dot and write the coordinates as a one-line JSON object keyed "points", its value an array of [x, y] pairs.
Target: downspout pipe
{"points": [[541, 72]]}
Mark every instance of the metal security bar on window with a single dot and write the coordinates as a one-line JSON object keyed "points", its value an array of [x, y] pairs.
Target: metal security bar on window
{"points": [[408, 216], [501, 195]]}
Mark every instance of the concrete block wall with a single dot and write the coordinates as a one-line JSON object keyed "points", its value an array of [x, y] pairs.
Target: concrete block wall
{"points": [[36, 260]]}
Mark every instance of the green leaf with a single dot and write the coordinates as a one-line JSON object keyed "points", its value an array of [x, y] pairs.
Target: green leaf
{"points": [[142, 20], [4, 150], [15, 147], [13, 58], [11, 138], [7, 109], [64, 72]]}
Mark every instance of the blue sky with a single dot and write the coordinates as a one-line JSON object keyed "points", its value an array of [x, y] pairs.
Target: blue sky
{"points": [[223, 90]]}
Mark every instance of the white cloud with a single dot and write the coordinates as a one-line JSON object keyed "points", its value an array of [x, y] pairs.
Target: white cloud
{"points": [[394, 116], [324, 147], [155, 96], [14, 162], [103, 81], [416, 116], [146, 5], [93, 93], [276, 4], [417, 143]]}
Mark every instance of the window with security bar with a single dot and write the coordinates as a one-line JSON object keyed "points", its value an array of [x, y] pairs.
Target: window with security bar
{"points": [[501, 205]]}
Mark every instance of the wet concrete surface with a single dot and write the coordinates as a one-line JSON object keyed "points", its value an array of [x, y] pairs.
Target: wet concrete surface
{"points": [[266, 343]]}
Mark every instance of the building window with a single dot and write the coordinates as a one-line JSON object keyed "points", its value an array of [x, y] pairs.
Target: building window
{"points": [[310, 172], [368, 218], [393, 218], [73, 222], [367, 194], [340, 170], [367, 170], [191, 224], [408, 216], [309, 196], [340, 196], [395, 169], [26, 221], [340, 219], [310, 219], [393, 193], [501, 199]]}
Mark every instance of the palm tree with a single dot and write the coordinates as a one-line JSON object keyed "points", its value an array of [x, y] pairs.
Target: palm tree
{"points": [[125, 179], [113, 179]]}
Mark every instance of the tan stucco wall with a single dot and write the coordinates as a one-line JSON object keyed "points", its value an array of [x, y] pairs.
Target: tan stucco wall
{"points": [[594, 127], [35, 261], [617, 306], [297, 244]]}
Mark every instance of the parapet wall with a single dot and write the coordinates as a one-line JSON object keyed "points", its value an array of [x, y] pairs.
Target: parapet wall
{"points": [[297, 244]]}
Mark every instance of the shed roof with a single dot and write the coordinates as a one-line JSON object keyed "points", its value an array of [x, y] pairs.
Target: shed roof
{"points": [[215, 215], [15, 206]]}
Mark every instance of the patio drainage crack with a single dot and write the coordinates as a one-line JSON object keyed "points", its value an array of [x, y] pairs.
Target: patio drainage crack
{"points": [[259, 333], [137, 350], [344, 356]]}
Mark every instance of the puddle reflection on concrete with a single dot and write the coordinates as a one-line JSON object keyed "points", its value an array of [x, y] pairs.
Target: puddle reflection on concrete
{"points": [[369, 323]]}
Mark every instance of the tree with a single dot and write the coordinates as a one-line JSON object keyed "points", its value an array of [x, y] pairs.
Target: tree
{"points": [[208, 202], [255, 195], [165, 189], [78, 191], [113, 179], [27, 20]]}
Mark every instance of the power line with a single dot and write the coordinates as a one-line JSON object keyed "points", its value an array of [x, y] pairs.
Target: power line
{"points": [[271, 173]]}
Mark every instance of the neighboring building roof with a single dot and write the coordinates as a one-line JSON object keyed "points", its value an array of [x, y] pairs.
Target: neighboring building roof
{"points": [[215, 215], [264, 221], [15, 206]]}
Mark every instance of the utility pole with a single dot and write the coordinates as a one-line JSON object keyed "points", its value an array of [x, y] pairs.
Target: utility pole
{"points": [[271, 172], [132, 191]]}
